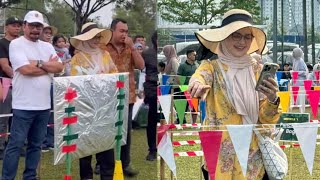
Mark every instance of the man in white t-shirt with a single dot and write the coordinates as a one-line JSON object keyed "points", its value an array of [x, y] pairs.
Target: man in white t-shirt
{"points": [[33, 62]]}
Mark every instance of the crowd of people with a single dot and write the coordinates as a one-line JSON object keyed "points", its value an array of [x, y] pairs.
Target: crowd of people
{"points": [[227, 83]]}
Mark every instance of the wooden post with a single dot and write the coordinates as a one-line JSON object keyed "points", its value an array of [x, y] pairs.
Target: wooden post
{"points": [[172, 119], [162, 164]]}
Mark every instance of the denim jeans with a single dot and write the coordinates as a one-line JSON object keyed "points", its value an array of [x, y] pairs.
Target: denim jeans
{"points": [[5, 108], [31, 125]]}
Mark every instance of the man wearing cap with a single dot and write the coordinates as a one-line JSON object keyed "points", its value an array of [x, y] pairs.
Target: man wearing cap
{"points": [[126, 58], [12, 30], [33, 63]]}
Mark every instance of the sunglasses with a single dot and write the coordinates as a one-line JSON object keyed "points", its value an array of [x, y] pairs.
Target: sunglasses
{"points": [[237, 37]]}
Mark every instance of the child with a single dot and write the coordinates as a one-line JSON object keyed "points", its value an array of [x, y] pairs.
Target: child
{"points": [[59, 43]]}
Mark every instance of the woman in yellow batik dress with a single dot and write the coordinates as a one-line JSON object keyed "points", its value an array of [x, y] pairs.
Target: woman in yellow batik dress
{"points": [[228, 85]]}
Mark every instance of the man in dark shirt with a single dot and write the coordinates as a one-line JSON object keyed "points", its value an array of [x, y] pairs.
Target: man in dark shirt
{"points": [[187, 69], [12, 31], [150, 91]]}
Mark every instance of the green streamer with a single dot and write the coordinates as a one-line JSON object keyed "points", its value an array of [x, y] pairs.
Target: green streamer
{"points": [[70, 137], [120, 119]]}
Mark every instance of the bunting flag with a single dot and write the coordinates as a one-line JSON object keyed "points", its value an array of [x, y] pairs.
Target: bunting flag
{"points": [[158, 91], [314, 97], [183, 88], [165, 79], [294, 76], [165, 89], [182, 79], [284, 100], [307, 137], [279, 75], [210, 142], [165, 102], [317, 74], [180, 105], [295, 92], [241, 136], [307, 86], [165, 150], [188, 97], [162, 130], [316, 88], [203, 110], [6, 83], [195, 103]]}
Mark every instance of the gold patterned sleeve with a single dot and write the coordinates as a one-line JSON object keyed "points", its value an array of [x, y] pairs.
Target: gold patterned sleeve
{"points": [[203, 74], [74, 63], [269, 113]]}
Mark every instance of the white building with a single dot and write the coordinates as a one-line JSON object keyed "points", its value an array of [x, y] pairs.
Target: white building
{"points": [[267, 10]]}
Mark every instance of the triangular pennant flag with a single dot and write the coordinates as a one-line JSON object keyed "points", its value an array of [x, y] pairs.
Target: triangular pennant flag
{"points": [[316, 88], [284, 100], [165, 89], [210, 142], [165, 102], [307, 86], [314, 101], [165, 150], [182, 79], [165, 79], [195, 103], [6, 83], [188, 97], [307, 137], [294, 76], [295, 92], [183, 88], [162, 130], [241, 136], [180, 105], [279, 75], [203, 110], [317, 74], [158, 91]]}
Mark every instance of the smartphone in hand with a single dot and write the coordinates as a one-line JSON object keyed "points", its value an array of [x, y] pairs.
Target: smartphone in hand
{"points": [[268, 70]]}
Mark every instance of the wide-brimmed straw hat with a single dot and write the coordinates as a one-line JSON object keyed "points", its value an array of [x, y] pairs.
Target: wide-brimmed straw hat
{"points": [[89, 31], [233, 20], [54, 30]]}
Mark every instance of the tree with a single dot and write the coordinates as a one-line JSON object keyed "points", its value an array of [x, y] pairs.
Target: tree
{"points": [[56, 13], [202, 12], [140, 16], [251, 6], [84, 8], [6, 3]]}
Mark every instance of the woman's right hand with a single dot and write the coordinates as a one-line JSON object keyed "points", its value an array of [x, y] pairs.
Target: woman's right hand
{"points": [[198, 90]]}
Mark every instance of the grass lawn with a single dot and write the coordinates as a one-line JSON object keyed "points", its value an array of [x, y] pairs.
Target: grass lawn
{"points": [[148, 170]]}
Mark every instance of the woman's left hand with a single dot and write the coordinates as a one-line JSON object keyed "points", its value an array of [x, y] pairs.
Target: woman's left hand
{"points": [[270, 89]]}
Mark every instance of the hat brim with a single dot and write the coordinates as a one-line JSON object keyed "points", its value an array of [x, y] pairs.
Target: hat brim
{"points": [[35, 21], [105, 33], [211, 38], [53, 29]]}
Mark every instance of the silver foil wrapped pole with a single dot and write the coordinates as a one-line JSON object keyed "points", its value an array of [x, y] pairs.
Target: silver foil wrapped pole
{"points": [[96, 108]]}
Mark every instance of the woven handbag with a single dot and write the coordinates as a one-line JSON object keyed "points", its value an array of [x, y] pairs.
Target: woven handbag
{"points": [[274, 159]]}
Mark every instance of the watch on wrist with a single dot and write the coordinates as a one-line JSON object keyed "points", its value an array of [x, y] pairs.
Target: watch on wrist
{"points": [[40, 64]]}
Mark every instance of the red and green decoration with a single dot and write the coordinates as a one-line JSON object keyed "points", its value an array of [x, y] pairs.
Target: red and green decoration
{"points": [[69, 96], [118, 172]]}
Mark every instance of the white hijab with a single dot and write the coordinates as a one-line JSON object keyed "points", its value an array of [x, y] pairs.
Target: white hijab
{"points": [[241, 78]]}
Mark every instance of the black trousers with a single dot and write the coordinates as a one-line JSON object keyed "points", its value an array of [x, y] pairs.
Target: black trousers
{"points": [[106, 158], [152, 123]]}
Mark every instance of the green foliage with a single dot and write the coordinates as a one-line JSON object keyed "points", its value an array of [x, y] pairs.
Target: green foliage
{"points": [[140, 16], [6, 3], [202, 12], [56, 13]]}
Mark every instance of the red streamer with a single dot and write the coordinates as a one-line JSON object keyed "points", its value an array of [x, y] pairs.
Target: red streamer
{"points": [[120, 84], [67, 177], [70, 95], [70, 120], [69, 149]]}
